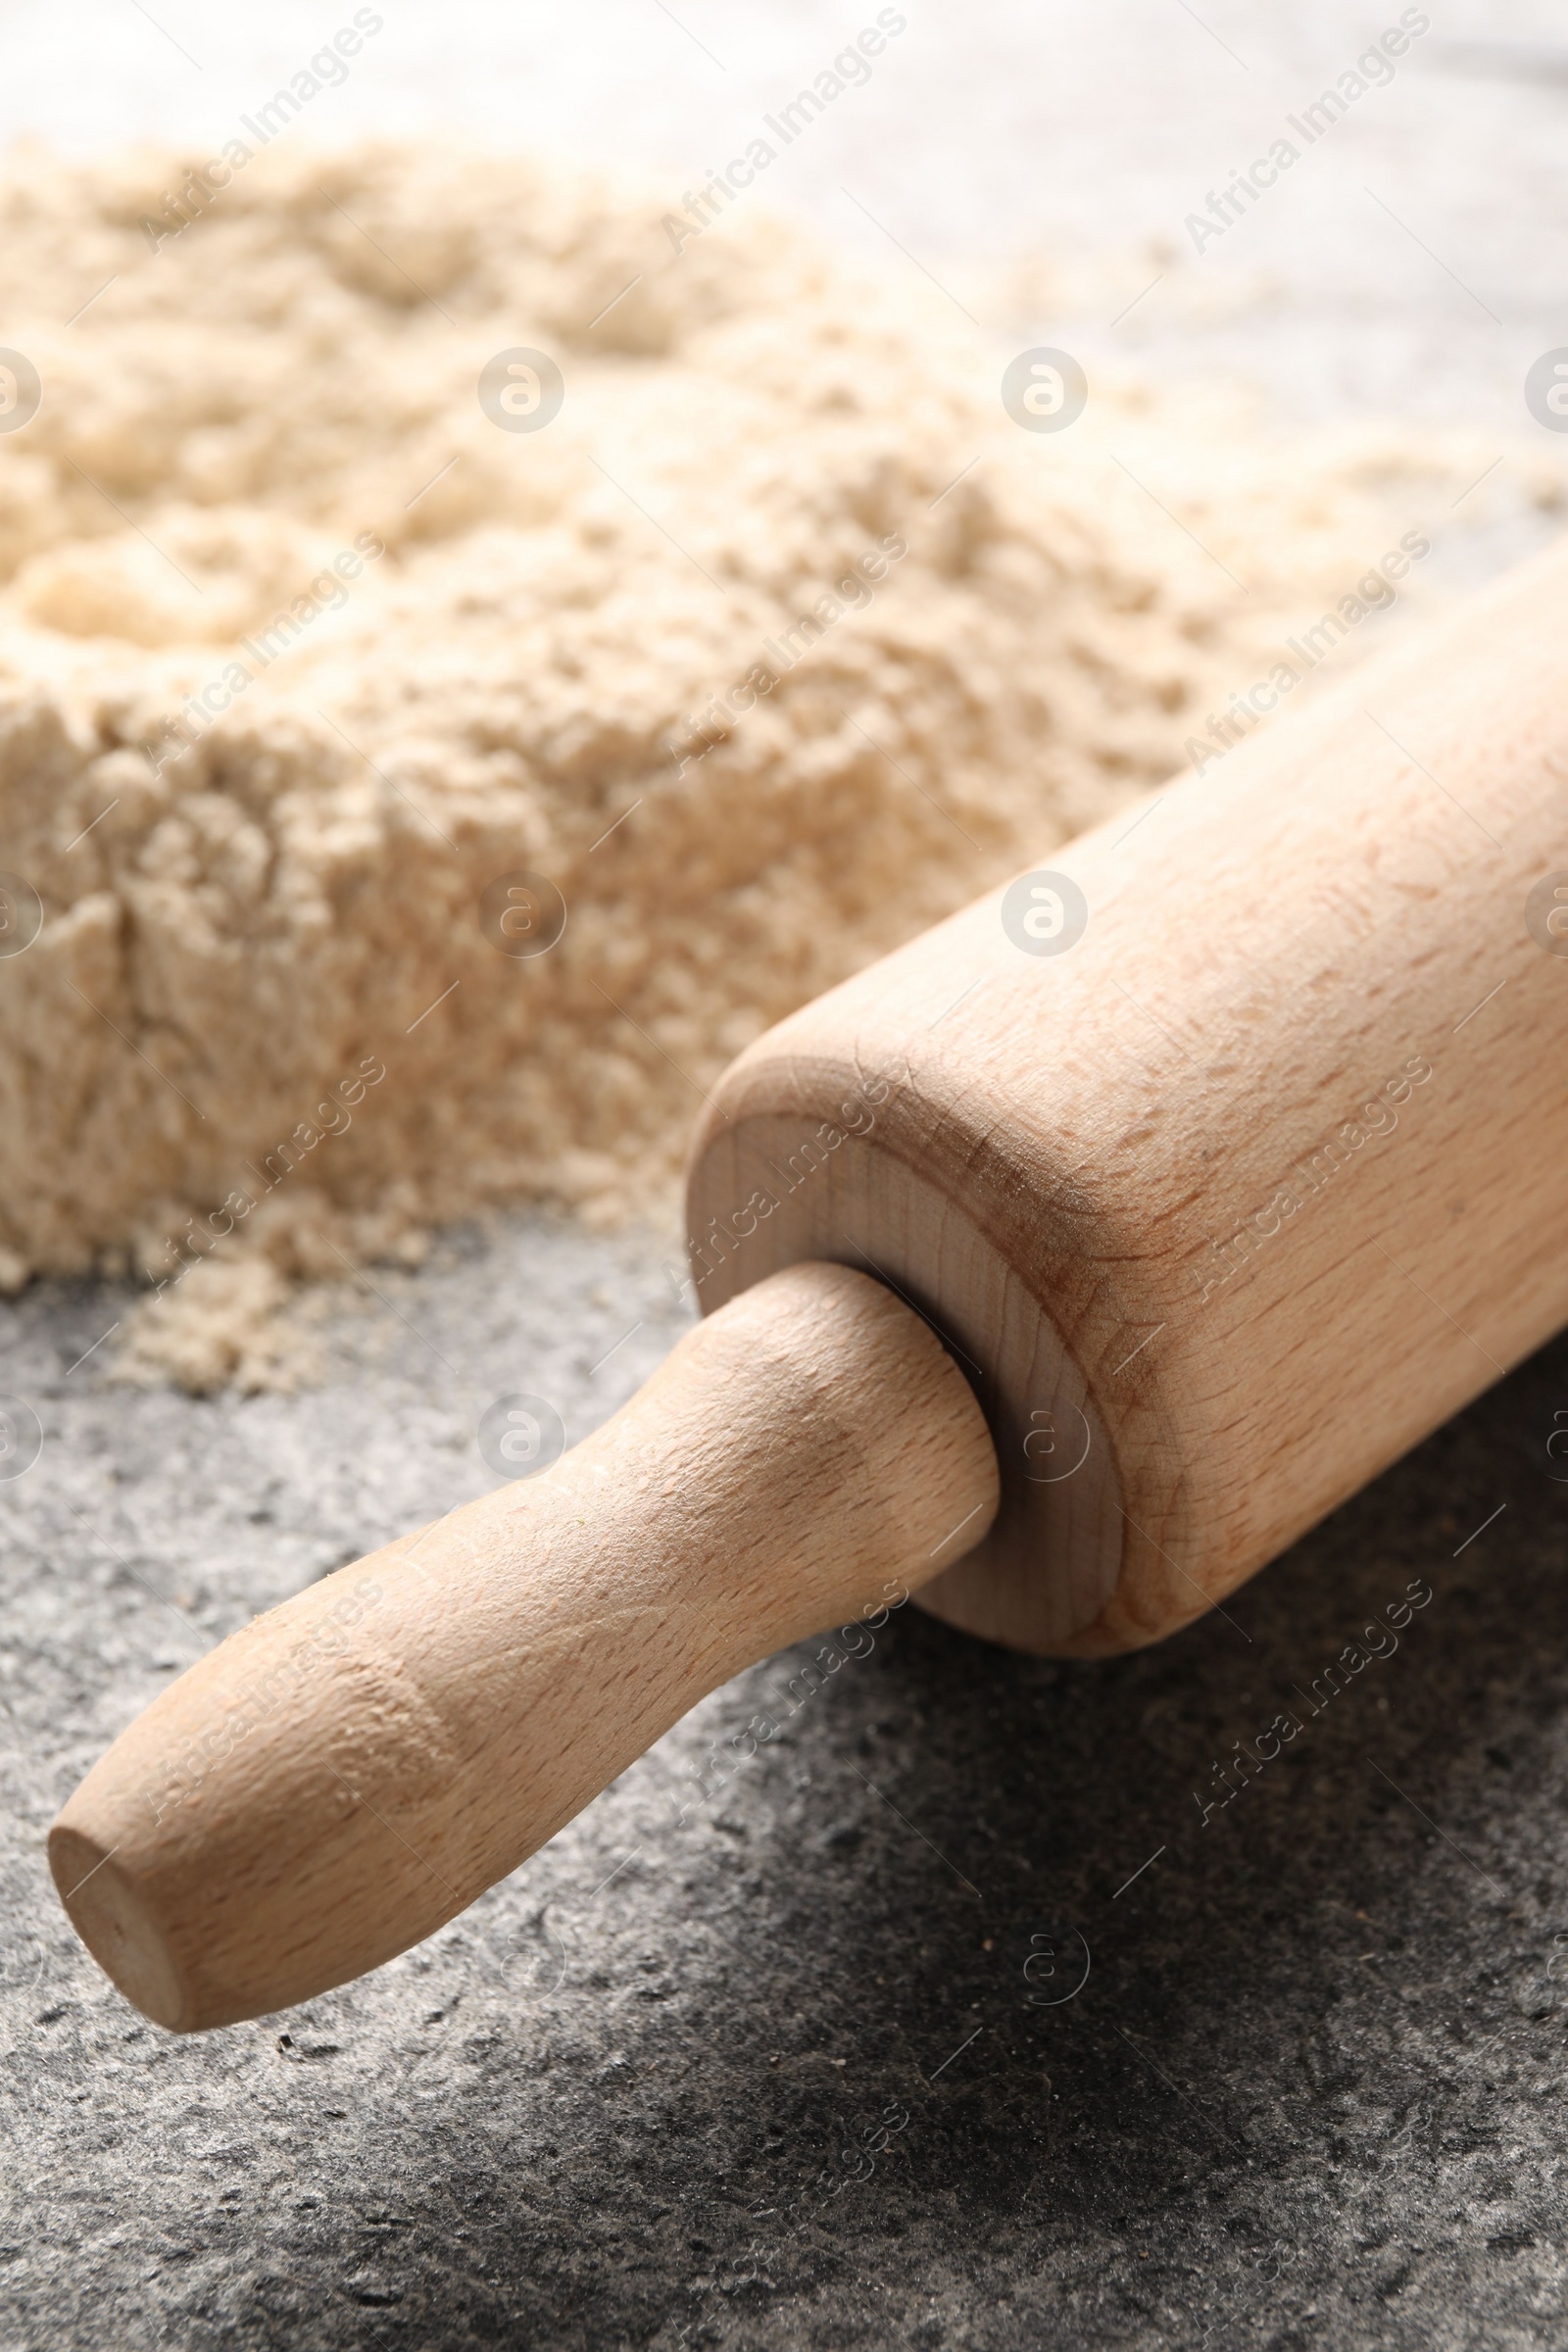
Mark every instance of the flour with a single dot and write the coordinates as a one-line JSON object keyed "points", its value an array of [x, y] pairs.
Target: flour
{"points": [[777, 642]]}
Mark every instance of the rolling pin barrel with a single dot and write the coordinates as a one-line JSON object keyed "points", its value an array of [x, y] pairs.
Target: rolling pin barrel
{"points": [[1241, 1170], [1229, 1157]]}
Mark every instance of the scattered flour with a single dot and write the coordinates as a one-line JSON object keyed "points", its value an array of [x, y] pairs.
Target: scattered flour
{"points": [[779, 641]]}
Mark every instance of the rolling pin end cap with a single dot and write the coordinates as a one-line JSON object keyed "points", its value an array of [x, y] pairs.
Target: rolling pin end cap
{"points": [[118, 1927]]}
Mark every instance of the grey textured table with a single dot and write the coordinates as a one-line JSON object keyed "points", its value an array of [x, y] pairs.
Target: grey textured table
{"points": [[789, 2064], [809, 2056]]}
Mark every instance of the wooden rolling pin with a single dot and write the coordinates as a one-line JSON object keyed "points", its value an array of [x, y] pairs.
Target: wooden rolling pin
{"points": [[1227, 1158]]}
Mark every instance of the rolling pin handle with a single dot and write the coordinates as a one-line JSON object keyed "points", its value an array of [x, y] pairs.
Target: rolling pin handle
{"points": [[344, 1775]]}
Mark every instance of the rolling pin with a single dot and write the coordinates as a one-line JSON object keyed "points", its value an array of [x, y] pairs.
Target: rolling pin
{"points": [[1067, 1266]]}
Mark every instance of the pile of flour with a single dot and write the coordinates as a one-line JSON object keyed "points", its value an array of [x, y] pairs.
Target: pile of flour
{"points": [[338, 662]]}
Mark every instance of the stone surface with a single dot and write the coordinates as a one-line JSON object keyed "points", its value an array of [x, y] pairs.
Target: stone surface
{"points": [[1312, 2091], [805, 2054]]}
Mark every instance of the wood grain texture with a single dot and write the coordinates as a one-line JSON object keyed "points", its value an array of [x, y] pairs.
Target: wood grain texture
{"points": [[1250, 1189], [351, 1770]]}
